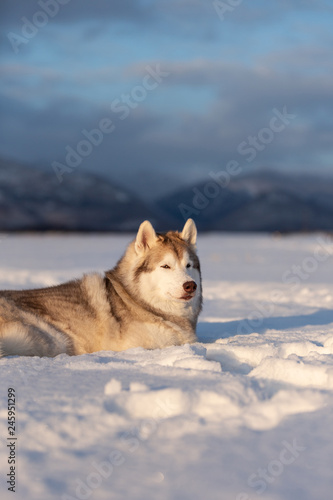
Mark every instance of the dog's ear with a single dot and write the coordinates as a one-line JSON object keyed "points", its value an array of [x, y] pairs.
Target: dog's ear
{"points": [[189, 232], [145, 238]]}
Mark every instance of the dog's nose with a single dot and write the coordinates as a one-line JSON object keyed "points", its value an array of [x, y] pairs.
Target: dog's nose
{"points": [[190, 286]]}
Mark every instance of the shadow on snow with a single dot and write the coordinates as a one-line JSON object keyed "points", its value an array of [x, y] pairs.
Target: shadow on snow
{"points": [[210, 332]]}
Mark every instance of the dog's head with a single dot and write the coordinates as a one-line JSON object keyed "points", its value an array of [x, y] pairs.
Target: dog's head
{"points": [[167, 269]]}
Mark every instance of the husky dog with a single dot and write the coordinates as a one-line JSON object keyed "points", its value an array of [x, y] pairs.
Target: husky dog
{"points": [[151, 299]]}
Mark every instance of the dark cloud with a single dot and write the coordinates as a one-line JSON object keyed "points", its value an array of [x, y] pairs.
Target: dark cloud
{"points": [[260, 12], [190, 18], [150, 141], [75, 11]]}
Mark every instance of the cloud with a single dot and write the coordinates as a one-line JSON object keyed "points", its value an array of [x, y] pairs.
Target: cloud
{"points": [[74, 11], [225, 79], [172, 141], [264, 13]]}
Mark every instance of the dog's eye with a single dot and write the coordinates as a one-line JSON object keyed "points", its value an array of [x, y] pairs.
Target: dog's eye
{"points": [[166, 266], [188, 266]]}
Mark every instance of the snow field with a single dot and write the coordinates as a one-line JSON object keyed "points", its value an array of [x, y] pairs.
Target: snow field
{"points": [[245, 413]]}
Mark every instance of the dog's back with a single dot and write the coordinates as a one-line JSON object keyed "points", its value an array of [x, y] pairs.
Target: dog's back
{"points": [[72, 318]]}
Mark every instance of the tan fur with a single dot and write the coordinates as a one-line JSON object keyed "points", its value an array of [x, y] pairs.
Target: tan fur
{"points": [[103, 312]]}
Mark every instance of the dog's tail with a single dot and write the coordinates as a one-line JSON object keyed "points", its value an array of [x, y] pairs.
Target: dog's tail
{"points": [[16, 341]]}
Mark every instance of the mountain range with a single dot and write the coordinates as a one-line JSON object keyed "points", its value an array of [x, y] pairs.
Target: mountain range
{"points": [[261, 201], [32, 199]]}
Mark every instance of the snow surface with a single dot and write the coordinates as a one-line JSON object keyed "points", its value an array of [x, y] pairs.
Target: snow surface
{"points": [[245, 413]]}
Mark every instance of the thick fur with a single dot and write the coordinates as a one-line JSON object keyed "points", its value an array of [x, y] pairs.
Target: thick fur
{"points": [[152, 299]]}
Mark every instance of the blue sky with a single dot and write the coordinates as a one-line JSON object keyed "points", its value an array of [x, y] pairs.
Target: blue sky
{"points": [[224, 78]]}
